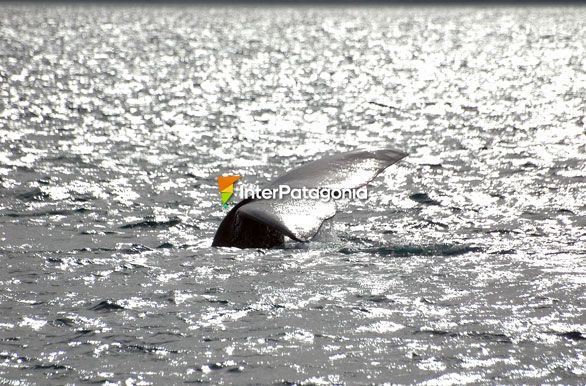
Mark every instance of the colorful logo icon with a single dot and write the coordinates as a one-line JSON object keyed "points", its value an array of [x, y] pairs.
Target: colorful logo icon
{"points": [[226, 184]]}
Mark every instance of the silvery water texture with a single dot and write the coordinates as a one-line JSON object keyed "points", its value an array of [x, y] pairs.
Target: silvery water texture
{"points": [[465, 265]]}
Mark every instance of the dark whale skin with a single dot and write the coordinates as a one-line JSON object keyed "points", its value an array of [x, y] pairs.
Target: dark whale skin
{"points": [[241, 232]]}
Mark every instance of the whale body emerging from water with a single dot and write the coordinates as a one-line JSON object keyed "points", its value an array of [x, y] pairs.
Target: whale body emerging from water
{"points": [[264, 223]]}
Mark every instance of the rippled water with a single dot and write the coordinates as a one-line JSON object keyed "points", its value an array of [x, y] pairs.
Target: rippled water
{"points": [[466, 264]]}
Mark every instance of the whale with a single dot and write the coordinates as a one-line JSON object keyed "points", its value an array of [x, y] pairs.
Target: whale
{"points": [[265, 222]]}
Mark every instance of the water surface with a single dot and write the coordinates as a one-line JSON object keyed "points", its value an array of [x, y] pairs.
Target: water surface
{"points": [[465, 265]]}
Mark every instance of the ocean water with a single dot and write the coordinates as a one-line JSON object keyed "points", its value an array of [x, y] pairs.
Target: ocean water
{"points": [[467, 264]]}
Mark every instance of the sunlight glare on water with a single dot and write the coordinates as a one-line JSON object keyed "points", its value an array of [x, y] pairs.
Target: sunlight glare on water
{"points": [[465, 265]]}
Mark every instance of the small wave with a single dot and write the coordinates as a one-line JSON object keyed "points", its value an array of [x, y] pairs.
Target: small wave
{"points": [[152, 224], [504, 231], [6, 357], [71, 159], [572, 335], [54, 212], [65, 321], [107, 306], [228, 365], [437, 333], [504, 252], [84, 331], [35, 194], [375, 298], [423, 198], [147, 349], [51, 366], [93, 232], [218, 301], [486, 336], [490, 336], [415, 250], [134, 248]]}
